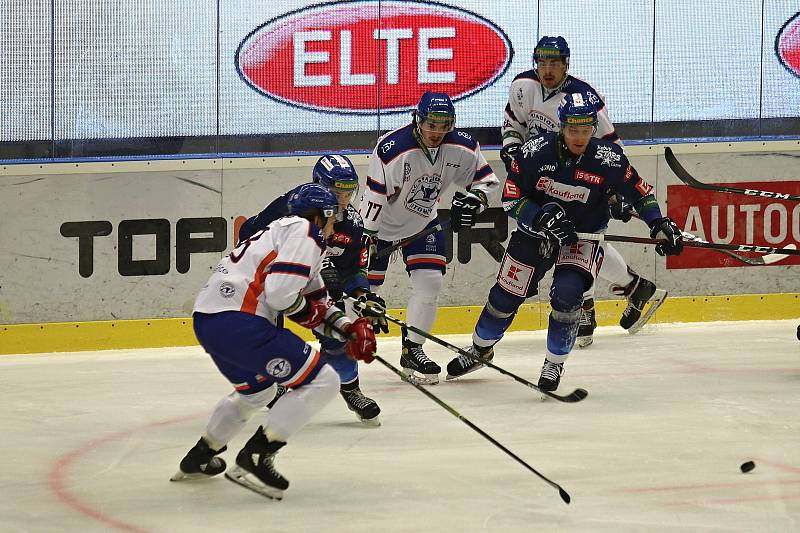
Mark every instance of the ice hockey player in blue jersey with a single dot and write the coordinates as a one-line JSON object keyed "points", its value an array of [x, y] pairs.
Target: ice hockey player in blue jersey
{"points": [[532, 108], [343, 270], [558, 184]]}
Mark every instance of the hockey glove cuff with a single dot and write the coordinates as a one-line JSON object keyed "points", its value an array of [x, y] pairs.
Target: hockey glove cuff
{"points": [[672, 239]]}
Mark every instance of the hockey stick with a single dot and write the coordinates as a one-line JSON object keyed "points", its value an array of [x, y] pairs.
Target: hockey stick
{"points": [[756, 261], [573, 397], [689, 180], [691, 244], [424, 233], [561, 492]]}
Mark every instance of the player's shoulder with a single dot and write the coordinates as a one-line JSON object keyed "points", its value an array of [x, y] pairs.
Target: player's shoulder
{"points": [[352, 215], [293, 226], [460, 137], [607, 154], [577, 85], [395, 143], [526, 77], [539, 145]]}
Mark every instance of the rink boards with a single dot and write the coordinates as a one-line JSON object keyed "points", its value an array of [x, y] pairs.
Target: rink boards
{"points": [[107, 254]]}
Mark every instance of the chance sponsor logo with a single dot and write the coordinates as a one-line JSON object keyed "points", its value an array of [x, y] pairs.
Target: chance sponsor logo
{"points": [[334, 57], [787, 45]]}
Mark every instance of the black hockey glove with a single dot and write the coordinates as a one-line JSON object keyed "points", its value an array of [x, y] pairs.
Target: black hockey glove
{"points": [[372, 307], [552, 222], [666, 229], [330, 275], [464, 210], [507, 154], [618, 208]]}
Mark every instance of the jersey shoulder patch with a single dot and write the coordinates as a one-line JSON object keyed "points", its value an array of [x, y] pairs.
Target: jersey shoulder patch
{"points": [[461, 138], [395, 143], [576, 85]]}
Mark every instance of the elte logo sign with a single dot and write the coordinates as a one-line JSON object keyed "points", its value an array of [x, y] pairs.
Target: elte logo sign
{"points": [[357, 57], [787, 45]]}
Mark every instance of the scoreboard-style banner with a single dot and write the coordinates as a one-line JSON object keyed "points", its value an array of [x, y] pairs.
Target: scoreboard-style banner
{"points": [[734, 218], [148, 68]]}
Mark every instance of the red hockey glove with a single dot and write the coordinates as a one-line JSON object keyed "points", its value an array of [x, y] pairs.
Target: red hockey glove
{"points": [[362, 345], [311, 314]]}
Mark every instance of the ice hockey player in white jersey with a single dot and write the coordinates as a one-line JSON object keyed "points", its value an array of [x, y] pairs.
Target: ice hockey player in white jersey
{"points": [[410, 169], [532, 109], [275, 271]]}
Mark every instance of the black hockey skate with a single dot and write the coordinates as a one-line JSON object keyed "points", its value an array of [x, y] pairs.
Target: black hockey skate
{"points": [[639, 293], [586, 324], [463, 365], [366, 409], [280, 392], [255, 470], [200, 463], [550, 376], [416, 366]]}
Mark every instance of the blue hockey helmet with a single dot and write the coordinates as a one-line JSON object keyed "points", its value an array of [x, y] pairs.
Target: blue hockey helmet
{"points": [[337, 173], [436, 107], [551, 48], [577, 109], [312, 199]]}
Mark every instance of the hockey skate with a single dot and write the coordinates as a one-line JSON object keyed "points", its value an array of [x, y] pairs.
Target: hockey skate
{"points": [[550, 377], [416, 366], [586, 324], [365, 408], [463, 365], [200, 463], [255, 470], [640, 293]]}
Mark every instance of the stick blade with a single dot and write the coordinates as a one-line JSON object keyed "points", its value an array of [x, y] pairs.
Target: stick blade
{"points": [[564, 495], [573, 397]]}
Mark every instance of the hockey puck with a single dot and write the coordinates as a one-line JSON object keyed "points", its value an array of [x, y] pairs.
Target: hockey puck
{"points": [[747, 466]]}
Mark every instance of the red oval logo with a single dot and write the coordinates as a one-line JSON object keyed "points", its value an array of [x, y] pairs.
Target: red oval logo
{"points": [[349, 57], [787, 45]]}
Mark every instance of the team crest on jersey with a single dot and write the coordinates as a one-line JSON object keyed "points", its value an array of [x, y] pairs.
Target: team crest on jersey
{"points": [[227, 290], [533, 146], [540, 123], [608, 157], [423, 195], [279, 368]]}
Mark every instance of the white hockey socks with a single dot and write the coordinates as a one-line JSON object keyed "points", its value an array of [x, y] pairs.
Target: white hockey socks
{"points": [[421, 309]]}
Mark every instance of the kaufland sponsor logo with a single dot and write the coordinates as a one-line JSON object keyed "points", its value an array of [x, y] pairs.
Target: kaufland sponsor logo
{"points": [[568, 193], [360, 56], [787, 45]]}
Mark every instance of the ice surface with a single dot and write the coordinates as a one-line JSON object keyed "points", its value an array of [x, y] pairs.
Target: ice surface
{"points": [[90, 441]]}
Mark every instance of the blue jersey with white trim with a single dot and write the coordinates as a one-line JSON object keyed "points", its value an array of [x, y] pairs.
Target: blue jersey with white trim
{"points": [[544, 171]]}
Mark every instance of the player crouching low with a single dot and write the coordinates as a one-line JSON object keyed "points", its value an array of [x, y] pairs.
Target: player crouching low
{"points": [[274, 272]]}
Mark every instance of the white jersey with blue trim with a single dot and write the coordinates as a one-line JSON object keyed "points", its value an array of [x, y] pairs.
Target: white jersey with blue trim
{"points": [[265, 274], [532, 109], [405, 181]]}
